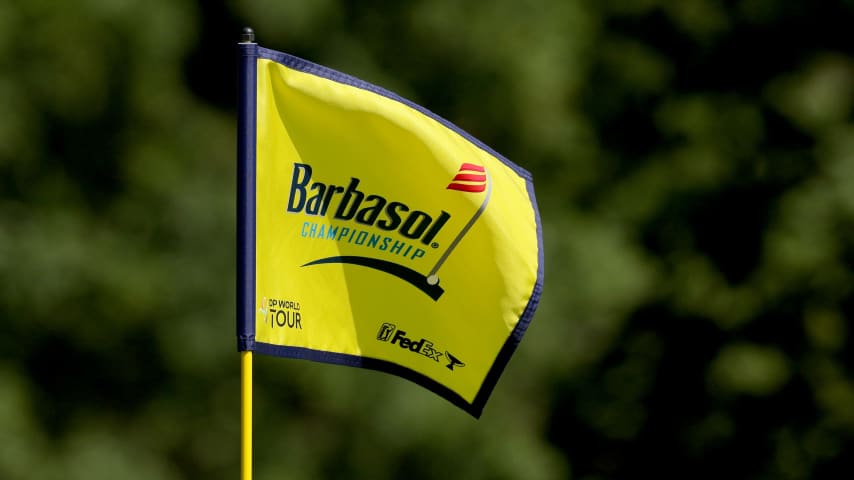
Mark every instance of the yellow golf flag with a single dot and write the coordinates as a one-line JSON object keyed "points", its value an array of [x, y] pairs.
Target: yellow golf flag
{"points": [[379, 234]]}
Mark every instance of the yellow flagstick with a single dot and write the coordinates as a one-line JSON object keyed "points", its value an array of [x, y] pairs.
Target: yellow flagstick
{"points": [[246, 415]]}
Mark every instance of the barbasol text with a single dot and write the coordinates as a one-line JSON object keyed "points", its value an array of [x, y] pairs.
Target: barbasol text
{"points": [[349, 203]]}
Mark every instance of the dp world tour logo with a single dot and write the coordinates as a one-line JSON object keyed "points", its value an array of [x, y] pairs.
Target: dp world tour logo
{"points": [[376, 211]]}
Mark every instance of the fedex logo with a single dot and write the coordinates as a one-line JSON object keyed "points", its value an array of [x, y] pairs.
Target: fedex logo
{"points": [[389, 333]]}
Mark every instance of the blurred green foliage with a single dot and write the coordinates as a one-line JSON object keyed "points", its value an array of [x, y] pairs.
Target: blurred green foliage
{"points": [[693, 164]]}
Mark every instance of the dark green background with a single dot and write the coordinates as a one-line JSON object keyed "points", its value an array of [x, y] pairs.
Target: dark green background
{"points": [[694, 165]]}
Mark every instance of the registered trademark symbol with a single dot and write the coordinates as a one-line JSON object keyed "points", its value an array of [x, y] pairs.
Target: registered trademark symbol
{"points": [[434, 245]]}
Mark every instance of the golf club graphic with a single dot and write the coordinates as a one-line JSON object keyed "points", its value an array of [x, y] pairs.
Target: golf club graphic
{"points": [[470, 178]]}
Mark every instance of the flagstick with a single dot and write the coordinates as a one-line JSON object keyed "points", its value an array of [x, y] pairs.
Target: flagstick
{"points": [[245, 415], [432, 278], [246, 240]]}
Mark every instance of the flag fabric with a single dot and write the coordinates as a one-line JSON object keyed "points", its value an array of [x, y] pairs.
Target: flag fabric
{"points": [[377, 234]]}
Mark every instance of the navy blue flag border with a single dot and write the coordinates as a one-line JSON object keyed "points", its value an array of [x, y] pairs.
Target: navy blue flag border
{"points": [[249, 53]]}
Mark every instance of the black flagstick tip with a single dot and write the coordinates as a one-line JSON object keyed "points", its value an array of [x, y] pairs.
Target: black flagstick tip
{"points": [[247, 35]]}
